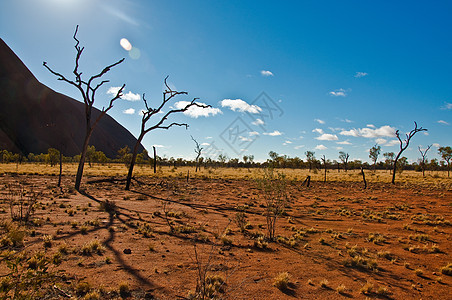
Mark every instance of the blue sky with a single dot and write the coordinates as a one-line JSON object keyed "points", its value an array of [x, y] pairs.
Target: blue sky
{"points": [[323, 76]]}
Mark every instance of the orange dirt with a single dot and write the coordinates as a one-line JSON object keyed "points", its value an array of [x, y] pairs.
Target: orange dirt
{"points": [[395, 226]]}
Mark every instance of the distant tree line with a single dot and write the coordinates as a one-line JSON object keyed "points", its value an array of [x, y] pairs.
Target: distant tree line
{"points": [[275, 160]]}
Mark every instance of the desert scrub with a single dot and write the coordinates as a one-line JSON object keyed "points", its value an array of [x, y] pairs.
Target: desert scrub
{"points": [[324, 283], [273, 186], [47, 240], [341, 289], [419, 237], [447, 270], [241, 221], [12, 235], [360, 262], [145, 229], [28, 277], [82, 288], [92, 296], [260, 242], [367, 288], [376, 238], [91, 247], [281, 281], [84, 229], [124, 289]]}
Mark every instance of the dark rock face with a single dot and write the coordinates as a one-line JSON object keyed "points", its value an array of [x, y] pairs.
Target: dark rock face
{"points": [[34, 118]]}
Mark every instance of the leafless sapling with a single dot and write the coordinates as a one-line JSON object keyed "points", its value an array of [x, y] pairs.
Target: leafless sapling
{"points": [[423, 158], [344, 158], [168, 95], [198, 150], [403, 145], [88, 91]]}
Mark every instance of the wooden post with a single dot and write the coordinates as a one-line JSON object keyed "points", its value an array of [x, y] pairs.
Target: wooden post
{"points": [[307, 181], [155, 160], [364, 178]]}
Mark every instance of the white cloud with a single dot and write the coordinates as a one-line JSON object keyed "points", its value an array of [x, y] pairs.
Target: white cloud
{"points": [[274, 133], [371, 125], [113, 90], [443, 122], [392, 143], [298, 147], [196, 111], [131, 96], [209, 137], [253, 133], [129, 111], [319, 121], [205, 144], [436, 145], [240, 105], [320, 147], [244, 139], [344, 143], [158, 146], [318, 130], [339, 148], [447, 106], [348, 121], [360, 74], [119, 13], [128, 96], [339, 93], [383, 131], [380, 141], [327, 137], [266, 73], [258, 122], [287, 143]]}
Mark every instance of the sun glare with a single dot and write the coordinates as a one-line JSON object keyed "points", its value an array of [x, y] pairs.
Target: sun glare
{"points": [[125, 44]]}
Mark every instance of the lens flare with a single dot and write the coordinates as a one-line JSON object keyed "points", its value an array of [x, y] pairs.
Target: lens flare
{"points": [[125, 44]]}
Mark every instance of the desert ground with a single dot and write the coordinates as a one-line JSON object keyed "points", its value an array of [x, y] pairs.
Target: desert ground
{"points": [[333, 240]]}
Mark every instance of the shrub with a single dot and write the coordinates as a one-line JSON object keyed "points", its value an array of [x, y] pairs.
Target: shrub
{"points": [[93, 246], [124, 289], [282, 280], [274, 191], [447, 270]]}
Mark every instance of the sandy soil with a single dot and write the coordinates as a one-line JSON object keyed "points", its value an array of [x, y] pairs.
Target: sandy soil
{"points": [[394, 231]]}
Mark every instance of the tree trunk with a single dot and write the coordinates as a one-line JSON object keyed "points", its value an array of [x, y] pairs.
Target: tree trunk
{"points": [[81, 164], [132, 162], [394, 169], [61, 169], [155, 160]]}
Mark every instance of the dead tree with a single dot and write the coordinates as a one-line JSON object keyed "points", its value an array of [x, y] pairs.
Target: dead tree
{"points": [[403, 145], [424, 158], [198, 151], [88, 91], [344, 158], [168, 94]]}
